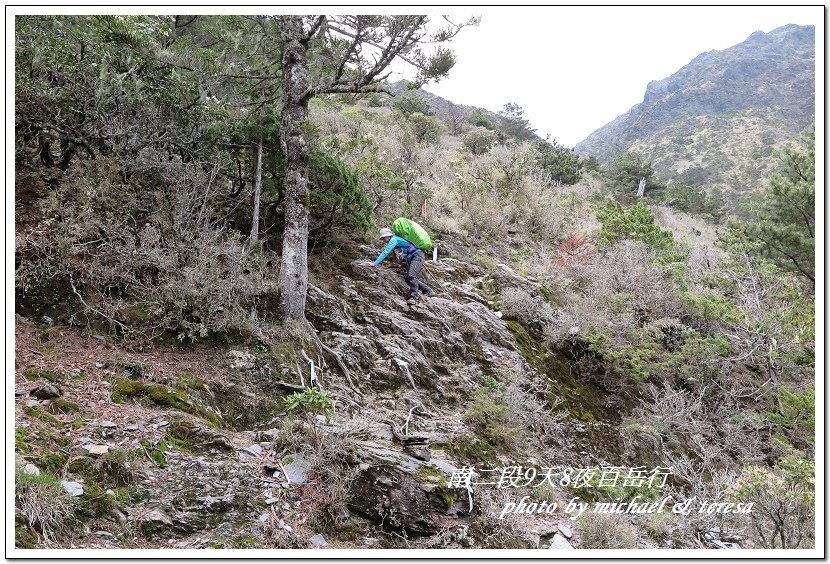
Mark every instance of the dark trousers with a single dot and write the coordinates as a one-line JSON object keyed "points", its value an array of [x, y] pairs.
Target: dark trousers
{"points": [[416, 264]]}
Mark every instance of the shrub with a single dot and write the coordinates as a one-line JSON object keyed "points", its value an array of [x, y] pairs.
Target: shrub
{"points": [[635, 223], [520, 306], [479, 119], [424, 128], [480, 141], [783, 514], [148, 255], [606, 530], [559, 164], [412, 104]]}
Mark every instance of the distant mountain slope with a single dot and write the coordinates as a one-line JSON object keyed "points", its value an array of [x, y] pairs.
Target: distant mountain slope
{"points": [[447, 110], [715, 121]]}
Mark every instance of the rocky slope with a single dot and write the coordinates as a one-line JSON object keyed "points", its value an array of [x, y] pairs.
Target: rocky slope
{"points": [[716, 121], [192, 447]]}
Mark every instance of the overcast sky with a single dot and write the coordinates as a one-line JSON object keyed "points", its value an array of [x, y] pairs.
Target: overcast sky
{"points": [[574, 69]]}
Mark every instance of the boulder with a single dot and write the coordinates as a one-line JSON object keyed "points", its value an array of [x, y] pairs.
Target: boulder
{"points": [[399, 490]]}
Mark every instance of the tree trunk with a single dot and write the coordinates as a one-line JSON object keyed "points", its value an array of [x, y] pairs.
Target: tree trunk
{"points": [[257, 193], [294, 265]]}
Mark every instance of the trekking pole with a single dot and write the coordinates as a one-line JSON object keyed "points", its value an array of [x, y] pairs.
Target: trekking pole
{"points": [[437, 283]]}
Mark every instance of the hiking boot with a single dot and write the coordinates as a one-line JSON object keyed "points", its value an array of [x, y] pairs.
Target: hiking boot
{"points": [[428, 293]]}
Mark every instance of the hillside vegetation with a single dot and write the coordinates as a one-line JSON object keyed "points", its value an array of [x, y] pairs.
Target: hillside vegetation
{"points": [[163, 401]]}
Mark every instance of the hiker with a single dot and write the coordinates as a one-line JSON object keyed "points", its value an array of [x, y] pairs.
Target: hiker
{"points": [[414, 262]]}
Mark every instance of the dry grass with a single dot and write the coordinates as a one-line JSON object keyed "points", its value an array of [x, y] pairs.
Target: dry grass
{"points": [[606, 531], [43, 502]]}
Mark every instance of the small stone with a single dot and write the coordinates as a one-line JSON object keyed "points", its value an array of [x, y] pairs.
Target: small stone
{"points": [[73, 488], [99, 364], [270, 500], [318, 541], [97, 449], [47, 320], [131, 428], [32, 470], [253, 450], [288, 529], [281, 523], [286, 506], [499, 314], [107, 424], [32, 403], [110, 492], [264, 517], [18, 393], [565, 530], [99, 337], [163, 423]]}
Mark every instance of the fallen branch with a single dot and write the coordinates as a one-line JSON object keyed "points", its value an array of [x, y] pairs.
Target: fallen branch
{"points": [[313, 380], [343, 368], [126, 329]]}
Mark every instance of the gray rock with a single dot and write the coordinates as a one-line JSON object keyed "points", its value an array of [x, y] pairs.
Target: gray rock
{"points": [[47, 320], [18, 393], [565, 530], [264, 517], [32, 403], [254, 451], [99, 364], [46, 391], [241, 360], [154, 522], [296, 468], [73, 488], [560, 542], [107, 424], [196, 434], [400, 490]]}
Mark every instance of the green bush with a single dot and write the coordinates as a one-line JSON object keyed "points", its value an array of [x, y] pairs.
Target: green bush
{"points": [[310, 401], [635, 223], [338, 200], [412, 104]]}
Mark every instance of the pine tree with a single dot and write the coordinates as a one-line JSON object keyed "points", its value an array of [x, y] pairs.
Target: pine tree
{"points": [[784, 221]]}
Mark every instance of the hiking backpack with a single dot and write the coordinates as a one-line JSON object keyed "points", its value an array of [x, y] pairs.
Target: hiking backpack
{"points": [[412, 232]]}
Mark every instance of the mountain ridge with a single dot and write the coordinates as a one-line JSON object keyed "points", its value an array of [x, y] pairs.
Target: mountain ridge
{"points": [[762, 89]]}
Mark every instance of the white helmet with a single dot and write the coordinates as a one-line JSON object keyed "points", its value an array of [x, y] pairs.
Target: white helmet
{"points": [[386, 232]]}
